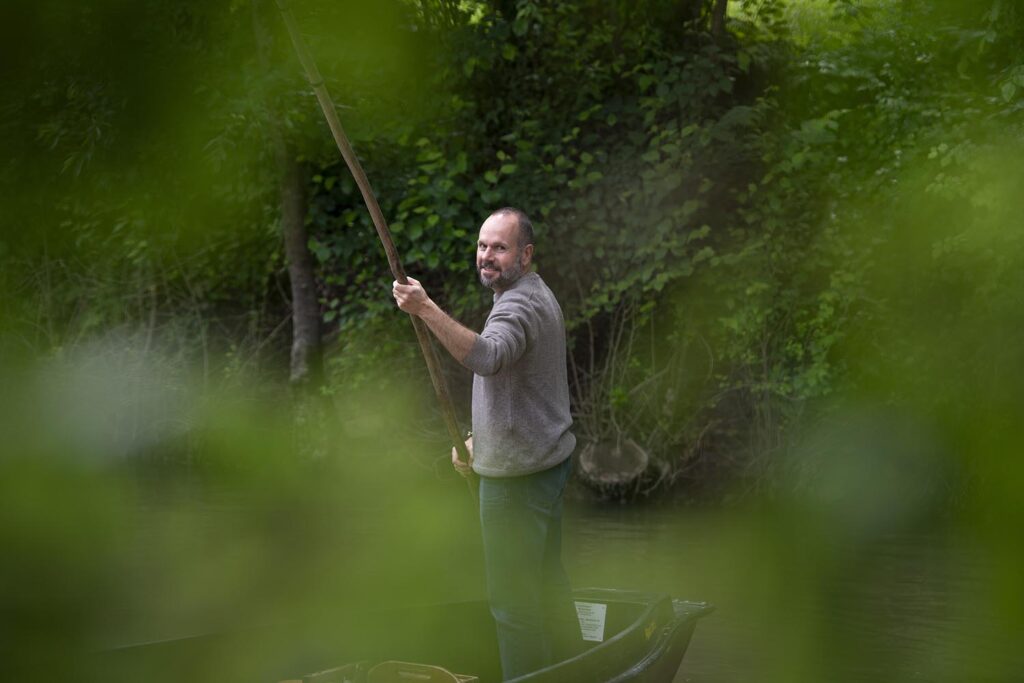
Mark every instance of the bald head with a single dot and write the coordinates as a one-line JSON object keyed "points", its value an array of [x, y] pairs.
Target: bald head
{"points": [[525, 227]]}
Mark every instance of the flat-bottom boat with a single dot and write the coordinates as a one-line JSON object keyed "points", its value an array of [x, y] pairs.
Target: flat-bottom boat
{"points": [[622, 636]]}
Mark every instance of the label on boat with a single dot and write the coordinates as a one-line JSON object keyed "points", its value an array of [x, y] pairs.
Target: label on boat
{"points": [[592, 617]]}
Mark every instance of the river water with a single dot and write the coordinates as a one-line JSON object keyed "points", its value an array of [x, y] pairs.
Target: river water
{"points": [[910, 606], [795, 600]]}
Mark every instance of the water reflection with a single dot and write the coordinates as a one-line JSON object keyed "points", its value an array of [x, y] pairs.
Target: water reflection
{"points": [[907, 607]]}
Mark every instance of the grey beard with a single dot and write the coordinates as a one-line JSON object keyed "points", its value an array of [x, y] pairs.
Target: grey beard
{"points": [[504, 278]]}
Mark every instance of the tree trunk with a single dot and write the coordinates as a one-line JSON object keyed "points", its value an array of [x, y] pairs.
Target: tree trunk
{"points": [[307, 351], [307, 357], [718, 18]]}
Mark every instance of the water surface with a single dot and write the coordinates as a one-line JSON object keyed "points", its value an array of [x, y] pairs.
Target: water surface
{"points": [[910, 606]]}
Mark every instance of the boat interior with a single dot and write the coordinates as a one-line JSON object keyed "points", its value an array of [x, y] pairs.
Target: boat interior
{"points": [[454, 642]]}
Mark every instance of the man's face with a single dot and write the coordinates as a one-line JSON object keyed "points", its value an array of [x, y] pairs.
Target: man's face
{"points": [[499, 260]]}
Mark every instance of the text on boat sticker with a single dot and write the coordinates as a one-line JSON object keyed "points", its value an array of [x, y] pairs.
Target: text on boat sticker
{"points": [[592, 617]]}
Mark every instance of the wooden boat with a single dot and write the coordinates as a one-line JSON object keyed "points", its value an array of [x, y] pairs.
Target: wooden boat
{"points": [[623, 636]]}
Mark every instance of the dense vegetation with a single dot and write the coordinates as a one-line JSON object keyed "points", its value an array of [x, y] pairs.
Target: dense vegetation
{"points": [[750, 228], [786, 235]]}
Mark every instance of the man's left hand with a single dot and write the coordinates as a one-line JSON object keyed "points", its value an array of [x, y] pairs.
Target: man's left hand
{"points": [[463, 468], [411, 298]]}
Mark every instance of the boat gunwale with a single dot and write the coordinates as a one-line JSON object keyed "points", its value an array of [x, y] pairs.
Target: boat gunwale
{"points": [[668, 634], [651, 601]]}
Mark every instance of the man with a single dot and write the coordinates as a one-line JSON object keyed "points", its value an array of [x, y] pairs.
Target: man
{"points": [[520, 443]]}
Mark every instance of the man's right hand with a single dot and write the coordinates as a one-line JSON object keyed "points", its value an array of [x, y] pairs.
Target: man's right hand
{"points": [[411, 297], [465, 469]]}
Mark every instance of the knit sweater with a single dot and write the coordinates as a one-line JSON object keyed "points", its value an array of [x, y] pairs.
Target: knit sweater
{"points": [[521, 416]]}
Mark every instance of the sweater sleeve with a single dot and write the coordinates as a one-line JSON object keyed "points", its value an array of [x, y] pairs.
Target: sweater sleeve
{"points": [[503, 340]]}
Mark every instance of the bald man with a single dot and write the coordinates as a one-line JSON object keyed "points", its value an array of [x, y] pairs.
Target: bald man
{"points": [[521, 443]]}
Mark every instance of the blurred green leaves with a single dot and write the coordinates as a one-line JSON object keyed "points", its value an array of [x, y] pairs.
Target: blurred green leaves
{"points": [[214, 522], [790, 262]]}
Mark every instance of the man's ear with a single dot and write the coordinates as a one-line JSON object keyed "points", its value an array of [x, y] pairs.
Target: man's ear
{"points": [[527, 255]]}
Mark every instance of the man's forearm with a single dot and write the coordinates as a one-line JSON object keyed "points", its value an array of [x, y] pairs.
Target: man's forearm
{"points": [[454, 337]]}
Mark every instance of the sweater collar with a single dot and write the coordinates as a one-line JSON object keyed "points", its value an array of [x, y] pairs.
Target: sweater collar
{"points": [[522, 281]]}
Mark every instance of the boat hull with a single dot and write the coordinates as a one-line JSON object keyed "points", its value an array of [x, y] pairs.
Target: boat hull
{"points": [[631, 636]]}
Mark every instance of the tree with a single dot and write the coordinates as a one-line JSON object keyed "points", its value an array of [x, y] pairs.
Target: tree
{"points": [[306, 349], [718, 17]]}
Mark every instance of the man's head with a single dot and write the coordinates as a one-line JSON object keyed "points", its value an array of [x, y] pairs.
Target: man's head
{"points": [[504, 249]]}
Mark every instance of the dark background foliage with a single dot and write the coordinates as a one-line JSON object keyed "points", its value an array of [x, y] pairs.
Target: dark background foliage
{"points": [[747, 228]]}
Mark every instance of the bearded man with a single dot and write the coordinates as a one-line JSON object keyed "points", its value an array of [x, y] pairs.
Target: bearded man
{"points": [[521, 444]]}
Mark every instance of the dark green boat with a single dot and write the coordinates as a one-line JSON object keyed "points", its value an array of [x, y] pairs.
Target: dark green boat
{"points": [[623, 636]]}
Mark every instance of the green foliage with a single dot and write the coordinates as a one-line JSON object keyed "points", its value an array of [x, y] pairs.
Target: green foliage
{"points": [[721, 219], [790, 258], [881, 144], [554, 109]]}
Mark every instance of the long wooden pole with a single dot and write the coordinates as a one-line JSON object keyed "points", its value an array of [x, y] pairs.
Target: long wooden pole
{"points": [[331, 113]]}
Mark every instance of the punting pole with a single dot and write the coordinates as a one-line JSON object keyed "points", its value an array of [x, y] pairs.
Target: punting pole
{"points": [[422, 334]]}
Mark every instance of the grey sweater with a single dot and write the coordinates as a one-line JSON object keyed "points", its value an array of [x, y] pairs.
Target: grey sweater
{"points": [[521, 416]]}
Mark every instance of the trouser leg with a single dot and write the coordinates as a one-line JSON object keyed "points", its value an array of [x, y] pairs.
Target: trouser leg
{"points": [[561, 623], [521, 522]]}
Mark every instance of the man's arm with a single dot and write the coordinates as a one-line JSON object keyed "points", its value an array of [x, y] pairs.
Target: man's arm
{"points": [[457, 339]]}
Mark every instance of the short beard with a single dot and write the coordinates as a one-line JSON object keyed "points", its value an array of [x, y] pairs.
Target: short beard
{"points": [[504, 278]]}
